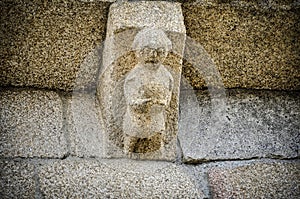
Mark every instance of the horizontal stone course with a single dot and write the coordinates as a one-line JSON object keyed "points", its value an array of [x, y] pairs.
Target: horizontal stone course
{"points": [[262, 4], [31, 124], [243, 125], [123, 178], [258, 180], [54, 45], [115, 179]]}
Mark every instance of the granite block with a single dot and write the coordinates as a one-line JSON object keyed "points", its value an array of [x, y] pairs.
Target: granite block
{"points": [[31, 124], [17, 179], [45, 43], [254, 44], [78, 178], [258, 180], [245, 124], [84, 126]]}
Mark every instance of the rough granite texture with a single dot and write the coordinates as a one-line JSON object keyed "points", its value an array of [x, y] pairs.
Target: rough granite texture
{"points": [[98, 0], [44, 43], [115, 179], [255, 44], [85, 133], [31, 124], [17, 179], [164, 15], [258, 180], [245, 124], [208, 184]]}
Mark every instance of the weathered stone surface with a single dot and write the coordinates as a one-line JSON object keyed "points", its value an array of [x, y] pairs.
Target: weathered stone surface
{"points": [[115, 179], [121, 60], [260, 4], [163, 15], [17, 179], [98, 0], [258, 180], [208, 175], [86, 135], [31, 124], [45, 44], [255, 44], [248, 124]]}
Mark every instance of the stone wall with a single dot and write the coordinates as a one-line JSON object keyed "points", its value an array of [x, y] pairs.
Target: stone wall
{"points": [[51, 143], [255, 44]]}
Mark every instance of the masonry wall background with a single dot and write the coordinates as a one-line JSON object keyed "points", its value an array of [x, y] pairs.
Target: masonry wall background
{"points": [[44, 154]]}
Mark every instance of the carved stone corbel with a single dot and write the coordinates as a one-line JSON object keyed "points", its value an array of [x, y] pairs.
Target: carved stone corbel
{"points": [[138, 87]]}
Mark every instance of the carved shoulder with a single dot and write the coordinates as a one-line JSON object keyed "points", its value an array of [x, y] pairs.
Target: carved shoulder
{"points": [[134, 73], [169, 77]]}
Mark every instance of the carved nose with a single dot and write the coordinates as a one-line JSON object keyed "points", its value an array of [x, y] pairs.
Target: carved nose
{"points": [[154, 53]]}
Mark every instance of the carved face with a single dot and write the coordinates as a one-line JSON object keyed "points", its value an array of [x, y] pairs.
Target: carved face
{"points": [[152, 55]]}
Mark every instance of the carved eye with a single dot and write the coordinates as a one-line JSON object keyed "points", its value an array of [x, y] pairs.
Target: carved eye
{"points": [[145, 51], [161, 51]]}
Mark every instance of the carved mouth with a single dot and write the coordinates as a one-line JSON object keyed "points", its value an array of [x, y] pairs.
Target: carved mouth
{"points": [[152, 61]]}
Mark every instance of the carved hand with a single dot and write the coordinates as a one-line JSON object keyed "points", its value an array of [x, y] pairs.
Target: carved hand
{"points": [[141, 101]]}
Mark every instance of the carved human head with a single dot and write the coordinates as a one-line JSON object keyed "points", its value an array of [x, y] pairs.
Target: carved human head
{"points": [[152, 45]]}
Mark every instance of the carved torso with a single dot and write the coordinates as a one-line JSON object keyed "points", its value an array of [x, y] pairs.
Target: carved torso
{"points": [[147, 92]]}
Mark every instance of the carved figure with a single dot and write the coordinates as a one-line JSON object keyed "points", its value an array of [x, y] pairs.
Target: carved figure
{"points": [[147, 88]]}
